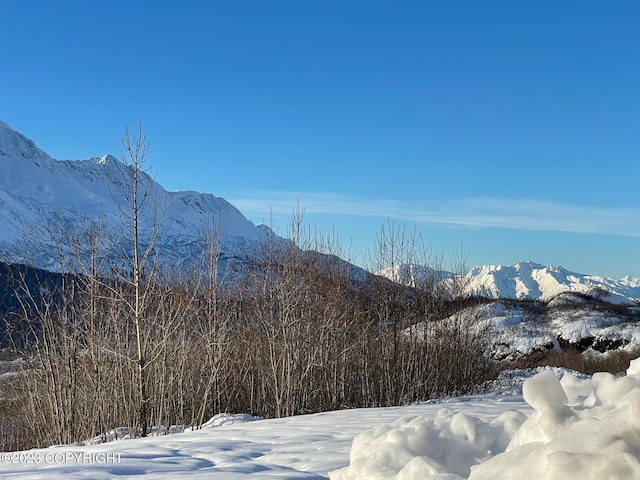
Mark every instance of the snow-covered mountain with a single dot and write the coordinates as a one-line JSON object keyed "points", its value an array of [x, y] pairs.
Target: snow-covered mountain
{"points": [[40, 193], [523, 281], [529, 280]]}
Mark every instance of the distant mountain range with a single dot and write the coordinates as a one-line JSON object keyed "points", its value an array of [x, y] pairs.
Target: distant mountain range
{"points": [[526, 281], [529, 280], [40, 196]]}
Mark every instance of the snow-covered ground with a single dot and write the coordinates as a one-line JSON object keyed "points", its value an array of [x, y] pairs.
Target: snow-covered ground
{"points": [[556, 426], [308, 446], [573, 321]]}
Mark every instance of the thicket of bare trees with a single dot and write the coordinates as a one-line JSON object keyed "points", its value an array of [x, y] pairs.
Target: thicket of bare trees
{"points": [[146, 346]]}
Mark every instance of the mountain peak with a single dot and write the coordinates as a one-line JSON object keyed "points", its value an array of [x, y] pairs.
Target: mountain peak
{"points": [[107, 159]]}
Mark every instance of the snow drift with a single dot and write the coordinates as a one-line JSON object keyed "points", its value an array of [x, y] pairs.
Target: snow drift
{"points": [[580, 428]]}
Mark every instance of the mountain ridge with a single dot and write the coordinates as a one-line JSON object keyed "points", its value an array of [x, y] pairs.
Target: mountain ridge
{"points": [[531, 280], [525, 280], [38, 190]]}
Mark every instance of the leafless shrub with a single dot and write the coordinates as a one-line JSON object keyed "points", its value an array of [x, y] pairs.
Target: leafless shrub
{"points": [[588, 362], [305, 332]]}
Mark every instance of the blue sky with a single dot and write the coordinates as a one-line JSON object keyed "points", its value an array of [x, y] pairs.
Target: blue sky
{"points": [[510, 128]]}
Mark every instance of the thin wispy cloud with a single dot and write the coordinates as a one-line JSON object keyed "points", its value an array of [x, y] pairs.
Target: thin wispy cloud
{"points": [[510, 213]]}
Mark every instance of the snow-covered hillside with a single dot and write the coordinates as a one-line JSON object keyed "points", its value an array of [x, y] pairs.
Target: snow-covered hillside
{"points": [[520, 329], [37, 190]]}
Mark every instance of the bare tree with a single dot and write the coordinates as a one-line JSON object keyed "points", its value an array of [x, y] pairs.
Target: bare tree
{"points": [[140, 207]]}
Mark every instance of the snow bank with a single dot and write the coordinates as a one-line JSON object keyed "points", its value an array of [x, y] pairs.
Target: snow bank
{"points": [[426, 446], [587, 428]]}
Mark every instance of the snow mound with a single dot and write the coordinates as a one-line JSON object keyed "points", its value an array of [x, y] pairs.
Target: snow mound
{"points": [[428, 447], [229, 419], [587, 428]]}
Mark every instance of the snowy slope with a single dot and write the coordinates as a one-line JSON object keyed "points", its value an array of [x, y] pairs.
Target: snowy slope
{"points": [[37, 190], [299, 447], [521, 329]]}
